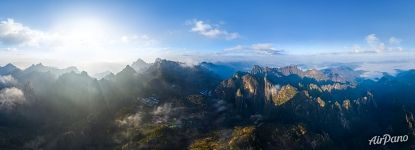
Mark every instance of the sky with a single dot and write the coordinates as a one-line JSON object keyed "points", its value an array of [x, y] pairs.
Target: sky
{"points": [[97, 36]]}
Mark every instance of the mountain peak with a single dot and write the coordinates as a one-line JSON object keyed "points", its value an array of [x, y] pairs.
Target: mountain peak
{"points": [[8, 69], [158, 60], [166, 63], [139, 61], [72, 68], [257, 70], [103, 74], [128, 69], [40, 65], [140, 65], [292, 69], [9, 65]]}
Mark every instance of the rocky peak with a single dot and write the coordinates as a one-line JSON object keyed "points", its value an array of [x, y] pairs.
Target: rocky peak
{"points": [[128, 69], [163, 63], [10, 65], [257, 70], [34, 67], [289, 70], [140, 65], [316, 74]]}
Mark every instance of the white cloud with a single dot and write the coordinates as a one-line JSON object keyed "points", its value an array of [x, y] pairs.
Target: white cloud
{"points": [[258, 48], [235, 48], [266, 48], [131, 121], [81, 34], [374, 43], [394, 41], [10, 97], [165, 109], [210, 31], [7, 80], [13, 33]]}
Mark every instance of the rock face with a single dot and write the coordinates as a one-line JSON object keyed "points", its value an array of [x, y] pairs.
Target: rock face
{"points": [[286, 93], [321, 102], [337, 106], [264, 89]]}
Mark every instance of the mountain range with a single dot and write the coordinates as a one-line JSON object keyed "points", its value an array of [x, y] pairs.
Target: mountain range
{"points": [[172, 105]]}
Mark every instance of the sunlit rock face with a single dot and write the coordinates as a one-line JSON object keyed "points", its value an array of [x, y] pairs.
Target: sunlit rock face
{"points": [[321, 102], [289, 97], [286, 93]]}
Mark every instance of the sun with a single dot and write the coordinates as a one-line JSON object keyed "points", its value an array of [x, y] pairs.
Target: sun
{"points": [[82, 31]]}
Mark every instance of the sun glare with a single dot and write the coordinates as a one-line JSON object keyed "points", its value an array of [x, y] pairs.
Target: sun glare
{"points": [[83, 31]]}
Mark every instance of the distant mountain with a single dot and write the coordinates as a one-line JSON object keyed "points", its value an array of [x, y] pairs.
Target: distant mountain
{"points": [[226, 69], [54, 71], [181, 77], [337, 74], [102, 74], [342, 73], [8, 69]]}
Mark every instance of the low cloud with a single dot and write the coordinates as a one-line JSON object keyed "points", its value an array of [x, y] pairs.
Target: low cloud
{"points": [[376, 45], [258, 48], [162, 113], [210, 31], [165, 109], [266, 48], [10, 98], [7, 80], [131, 121]]}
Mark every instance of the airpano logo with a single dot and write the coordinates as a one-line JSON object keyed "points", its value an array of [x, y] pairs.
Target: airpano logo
{"points": [[386, 138]]}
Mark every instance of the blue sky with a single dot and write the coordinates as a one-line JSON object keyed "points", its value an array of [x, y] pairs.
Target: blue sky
{"points": [[167, 28]]}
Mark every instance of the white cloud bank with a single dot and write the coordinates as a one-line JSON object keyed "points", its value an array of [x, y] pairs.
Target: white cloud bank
{"points": [[210, 31], [13, 33]]}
